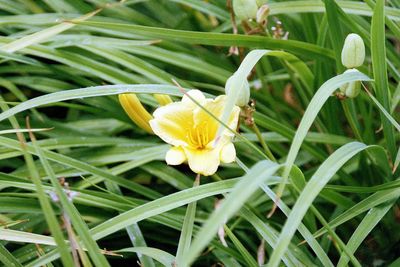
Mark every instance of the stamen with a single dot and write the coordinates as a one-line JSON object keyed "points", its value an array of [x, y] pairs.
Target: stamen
{"points": [[191, 139], [205, 134], [199, 136], [199, 143]]}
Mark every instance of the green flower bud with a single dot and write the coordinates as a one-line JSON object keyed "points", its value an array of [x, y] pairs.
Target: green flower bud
{"points": [[352, 89], [353, 53], [244, 93], [245, 9]]}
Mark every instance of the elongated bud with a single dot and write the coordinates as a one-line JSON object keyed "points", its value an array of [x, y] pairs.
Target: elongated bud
{"points": [[244, 93], [262, 14], [136, 111], [352, 89], [245, 9], [353, 53]]}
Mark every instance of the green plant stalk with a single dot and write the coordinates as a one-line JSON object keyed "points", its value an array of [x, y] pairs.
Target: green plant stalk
{"points": [[348, 108], [263, 143]]}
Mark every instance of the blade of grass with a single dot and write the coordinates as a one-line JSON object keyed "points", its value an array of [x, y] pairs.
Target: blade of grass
{"points": [[187, 228], [312, 242], [80, 226], [20, 236], [384, 111], [45, 204], [217, 39], [322, 176], [250, 261], [322, 95], [91, 92], [378, 55], [44, 34], [364, 205], [373, 217], [249, 183], [18, 58], [292, 257], [134, 232], [161, 256], [7, 258], [68, 161]]}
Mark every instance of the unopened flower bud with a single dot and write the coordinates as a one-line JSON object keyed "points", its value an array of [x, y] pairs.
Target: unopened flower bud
{"points": [[244, 92], [245, 9], [352, 89], [262, 14], [353, 53]]}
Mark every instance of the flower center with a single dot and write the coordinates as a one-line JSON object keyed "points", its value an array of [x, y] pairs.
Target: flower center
{"points": [[198, 136]]}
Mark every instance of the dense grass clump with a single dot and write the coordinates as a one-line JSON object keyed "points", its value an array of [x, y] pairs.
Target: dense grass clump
{"points": [[83, 177]]}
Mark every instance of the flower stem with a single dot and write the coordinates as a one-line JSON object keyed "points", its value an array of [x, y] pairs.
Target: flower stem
{"points": [[197, 180], [262, 142]]}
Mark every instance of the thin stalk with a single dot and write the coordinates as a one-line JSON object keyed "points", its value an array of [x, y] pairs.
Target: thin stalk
{"points": [[263, 143], [350, 114]]}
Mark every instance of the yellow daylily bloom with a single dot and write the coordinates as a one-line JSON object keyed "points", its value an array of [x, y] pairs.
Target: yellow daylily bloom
{"points": [[192, 132], [137, 112]]}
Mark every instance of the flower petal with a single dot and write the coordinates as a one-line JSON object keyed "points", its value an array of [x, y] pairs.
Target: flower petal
{"points": [[197, 95], [171, 122], [228, 153], [200, 116], [215, 107], [204, 161], [233, 121], [175, 156]]}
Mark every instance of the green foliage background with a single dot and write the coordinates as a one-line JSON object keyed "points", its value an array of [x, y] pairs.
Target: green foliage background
{"points": [[117, 194]]}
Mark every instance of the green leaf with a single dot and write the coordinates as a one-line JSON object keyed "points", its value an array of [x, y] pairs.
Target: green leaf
{"points": [[364, 205], [250, 261], [373, 217], [161, 256], [378, 55], [217, 39], [317, 182], [73, 214], [91, 92], [319, 99], [257, 175], [7, 258], [42, 35], [187, 228]]}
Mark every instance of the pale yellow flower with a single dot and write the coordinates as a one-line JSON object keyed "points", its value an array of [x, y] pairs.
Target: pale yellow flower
{"points": [[192, 132]]}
